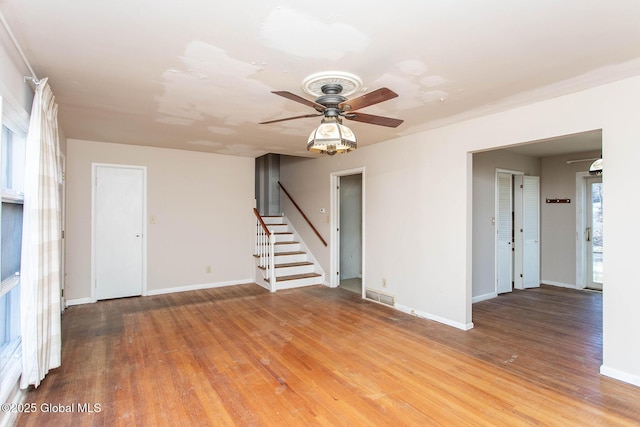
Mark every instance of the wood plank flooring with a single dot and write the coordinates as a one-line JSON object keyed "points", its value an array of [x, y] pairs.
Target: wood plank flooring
{"points": [[318, 356]]}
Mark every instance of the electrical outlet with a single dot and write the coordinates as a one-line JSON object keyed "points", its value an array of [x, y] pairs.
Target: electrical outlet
{"points": [[384, 282], [208, 269]]}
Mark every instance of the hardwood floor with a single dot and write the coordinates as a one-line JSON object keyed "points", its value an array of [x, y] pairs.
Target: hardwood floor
{"points": [[318, 356]]}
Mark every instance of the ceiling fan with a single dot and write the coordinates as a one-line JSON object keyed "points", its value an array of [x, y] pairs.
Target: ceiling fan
{"points": [[331, 104]]}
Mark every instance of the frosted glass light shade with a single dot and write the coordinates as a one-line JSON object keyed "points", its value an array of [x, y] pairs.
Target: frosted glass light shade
{"points": [[331, 137]]}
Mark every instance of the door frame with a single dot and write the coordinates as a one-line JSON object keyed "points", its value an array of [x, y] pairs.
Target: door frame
{"points": [[334, 240], [63, 225], [590, 283], [582, 222], [94, 171]]}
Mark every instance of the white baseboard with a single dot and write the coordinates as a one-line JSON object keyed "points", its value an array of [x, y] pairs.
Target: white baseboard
{"points": [[186, 288], [620, 375], [484, 297], [559, 284], [198, 287], [429, 316], [78, 301]]}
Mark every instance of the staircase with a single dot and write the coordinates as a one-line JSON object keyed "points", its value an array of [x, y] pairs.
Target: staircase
{"points": [[294, 266]]}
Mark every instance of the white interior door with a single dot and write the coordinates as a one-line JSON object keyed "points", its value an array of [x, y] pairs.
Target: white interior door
{"points": [[118, 212], [530, 231], [504, 226]]}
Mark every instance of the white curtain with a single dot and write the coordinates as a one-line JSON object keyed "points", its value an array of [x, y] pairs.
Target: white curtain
{"points": [[41, 239]]}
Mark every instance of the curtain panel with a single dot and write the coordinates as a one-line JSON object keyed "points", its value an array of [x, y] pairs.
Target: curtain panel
{"points": [[41, 242]]}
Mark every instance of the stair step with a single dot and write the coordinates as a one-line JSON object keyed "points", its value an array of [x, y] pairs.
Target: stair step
{"points": [[290, 264], [273, 220], [286, 247], [296, 276], [285, 253], [294, 264], [278, 228], [283, 234], [283, 237]]}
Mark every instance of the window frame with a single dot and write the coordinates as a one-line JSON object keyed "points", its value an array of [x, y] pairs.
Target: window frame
{"points": [[11, 370]]}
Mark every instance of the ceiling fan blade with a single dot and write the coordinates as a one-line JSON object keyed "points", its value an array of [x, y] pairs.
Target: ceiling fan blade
{"points": [[294, 97], [291, 118], [380, 95], [374, 120]]}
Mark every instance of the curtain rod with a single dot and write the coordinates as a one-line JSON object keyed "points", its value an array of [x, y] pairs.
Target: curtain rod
{"points": [[582, 160], [33, 77]]}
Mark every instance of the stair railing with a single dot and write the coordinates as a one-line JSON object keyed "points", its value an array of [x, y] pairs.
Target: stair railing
{"points": [[302, 213], [265, 250]]}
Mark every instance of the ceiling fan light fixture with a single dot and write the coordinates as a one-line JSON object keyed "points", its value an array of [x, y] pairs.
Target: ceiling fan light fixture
{"points": [[331, 137]]}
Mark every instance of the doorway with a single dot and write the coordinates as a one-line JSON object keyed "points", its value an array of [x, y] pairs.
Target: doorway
{"points": [[348, 236], [119, 228], [517, 244]]}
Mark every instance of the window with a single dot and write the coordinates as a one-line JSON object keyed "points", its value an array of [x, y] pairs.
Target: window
{"points": [[12, 158]]}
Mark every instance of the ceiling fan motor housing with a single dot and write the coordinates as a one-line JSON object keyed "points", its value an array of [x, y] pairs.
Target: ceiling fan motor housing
{"points": [[331, 98]]}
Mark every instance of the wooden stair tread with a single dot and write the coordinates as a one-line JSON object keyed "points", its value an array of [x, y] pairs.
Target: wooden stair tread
{"points": [[296, 276], [290, 264], [290, 253], [287, 243], [284, 253], [294, 264]]}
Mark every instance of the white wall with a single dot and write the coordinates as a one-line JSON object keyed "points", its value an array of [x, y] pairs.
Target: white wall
{"points": [[406, 210], [419, 213], [202, 209]]}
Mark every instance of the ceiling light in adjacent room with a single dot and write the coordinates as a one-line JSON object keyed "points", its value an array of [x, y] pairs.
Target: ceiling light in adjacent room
{"points": [[596, 168]]}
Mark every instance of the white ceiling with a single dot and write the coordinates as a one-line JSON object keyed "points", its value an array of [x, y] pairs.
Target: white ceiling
{"points": [[197, 74]]}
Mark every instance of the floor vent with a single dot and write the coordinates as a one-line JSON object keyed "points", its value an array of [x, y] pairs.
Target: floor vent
{"points": [[380, 297]]}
